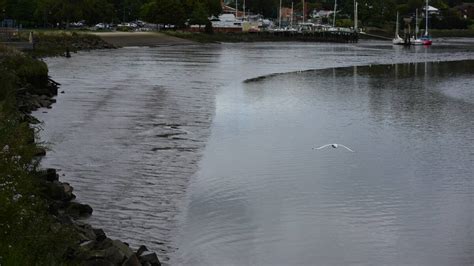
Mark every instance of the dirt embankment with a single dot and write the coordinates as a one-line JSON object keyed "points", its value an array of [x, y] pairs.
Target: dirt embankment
{"points": [[124, 39]]}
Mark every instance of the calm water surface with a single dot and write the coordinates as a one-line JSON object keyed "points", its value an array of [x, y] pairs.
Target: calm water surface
{"points": [[174, 150]]}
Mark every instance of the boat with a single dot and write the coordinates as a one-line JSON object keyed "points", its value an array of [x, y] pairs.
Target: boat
{"points": [[397, 40], [426, 38], [415, 40]]}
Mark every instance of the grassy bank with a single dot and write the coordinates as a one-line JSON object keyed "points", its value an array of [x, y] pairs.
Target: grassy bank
{"points": [[29, 234], [452, 33], [59, 43]]}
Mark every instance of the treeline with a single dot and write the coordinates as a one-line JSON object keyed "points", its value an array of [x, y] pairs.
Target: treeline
{"points": [[47, 13], [371, 12]]}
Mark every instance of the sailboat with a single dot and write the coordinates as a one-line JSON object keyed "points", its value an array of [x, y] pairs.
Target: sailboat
{"points": [[397, 40], [426, 38], [415, 40]]}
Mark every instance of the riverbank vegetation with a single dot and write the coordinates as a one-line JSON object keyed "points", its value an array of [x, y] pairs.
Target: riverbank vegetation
{"points": [[28, 233]]}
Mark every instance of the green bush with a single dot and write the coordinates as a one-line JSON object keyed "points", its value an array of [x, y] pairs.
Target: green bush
{"points": [[28, 235], [344, 23]]}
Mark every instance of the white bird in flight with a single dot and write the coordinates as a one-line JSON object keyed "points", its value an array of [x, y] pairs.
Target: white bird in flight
{"points": [[335, 145]]}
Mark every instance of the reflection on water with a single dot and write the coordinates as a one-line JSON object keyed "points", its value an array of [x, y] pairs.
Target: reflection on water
{"points": [[264, 197], [131, 127]]}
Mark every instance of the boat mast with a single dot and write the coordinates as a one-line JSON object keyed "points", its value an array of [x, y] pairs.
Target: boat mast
{"points": [[291, 19], [356, 4], [236, 9], [416, 24], [279, 18], [334, 18], [426, 16], [303, 11], [244, 9], [396, 29]]}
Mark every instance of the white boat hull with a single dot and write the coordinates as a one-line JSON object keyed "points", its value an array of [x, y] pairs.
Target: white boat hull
{"points": [[398, 41]]}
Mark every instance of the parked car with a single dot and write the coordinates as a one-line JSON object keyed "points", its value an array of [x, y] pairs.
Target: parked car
{"points": [[103, 26], [100, 26], [79, 24]]}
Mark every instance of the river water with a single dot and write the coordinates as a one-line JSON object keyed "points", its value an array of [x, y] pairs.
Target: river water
{"points": [[204, 152]]}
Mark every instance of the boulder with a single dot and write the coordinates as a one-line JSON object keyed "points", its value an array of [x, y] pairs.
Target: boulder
{"points": [[65, 219], [124, 249], [34, 103], [87, 245], [99, 234], [148, 257], [58, 191], [86, 230], [40, 152], [77, 210], [68, 191], [44, 103], [97, 262], [115, 255], [49, 174], [132, 261], [104, 244], [141, 249]]}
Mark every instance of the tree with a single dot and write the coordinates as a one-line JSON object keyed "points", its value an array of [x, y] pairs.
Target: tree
{"points": [[199, 15], [214, 7], [148, 11], [210, 7], [268, 8], [23, 11], [94, 11], [164, 12]]}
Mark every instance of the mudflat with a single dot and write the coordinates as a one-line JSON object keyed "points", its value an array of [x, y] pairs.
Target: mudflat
{"points": [[140, 39]]}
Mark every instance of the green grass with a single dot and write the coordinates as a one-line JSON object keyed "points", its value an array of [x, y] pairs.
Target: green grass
{"points": [[453, 33]]}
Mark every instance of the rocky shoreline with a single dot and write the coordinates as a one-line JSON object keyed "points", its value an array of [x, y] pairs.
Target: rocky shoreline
{"points": [[91, 245]]}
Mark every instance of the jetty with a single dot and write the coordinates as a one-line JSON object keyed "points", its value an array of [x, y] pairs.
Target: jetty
{"points": [[337, 36]]}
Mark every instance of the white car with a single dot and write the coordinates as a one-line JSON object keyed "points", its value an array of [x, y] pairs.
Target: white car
{"points": [[100, 26]]}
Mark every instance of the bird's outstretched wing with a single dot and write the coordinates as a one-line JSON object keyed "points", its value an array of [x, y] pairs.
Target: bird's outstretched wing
{"points": [[322, 147], [346, 147]]}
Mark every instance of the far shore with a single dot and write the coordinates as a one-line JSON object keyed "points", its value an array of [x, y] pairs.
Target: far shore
{"points": [[123, 39]]}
